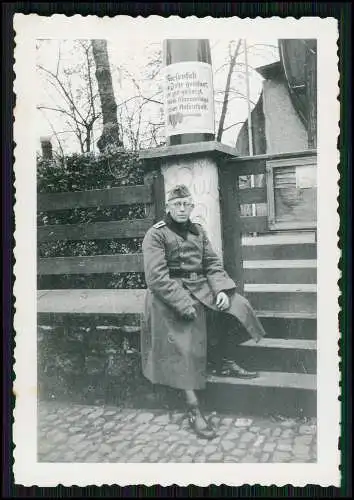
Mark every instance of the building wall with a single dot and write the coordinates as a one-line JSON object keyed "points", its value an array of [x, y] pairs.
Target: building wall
{"points": [[276, 127], [284, 130], [258, 132]]}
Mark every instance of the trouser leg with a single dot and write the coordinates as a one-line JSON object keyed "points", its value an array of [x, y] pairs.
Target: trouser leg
{"points": [[217, 342], [191, 397], [242, 310], [202, 427], [231, 331]]}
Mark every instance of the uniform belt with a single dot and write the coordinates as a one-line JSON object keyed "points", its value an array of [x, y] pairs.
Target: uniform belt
{"points": [[180, 273]]}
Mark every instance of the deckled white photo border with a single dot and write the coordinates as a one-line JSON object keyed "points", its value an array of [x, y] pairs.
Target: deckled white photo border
{"points": [[27, 470]]}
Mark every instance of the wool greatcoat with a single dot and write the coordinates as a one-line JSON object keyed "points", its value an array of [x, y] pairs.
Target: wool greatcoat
{"points": [[174, 349]]}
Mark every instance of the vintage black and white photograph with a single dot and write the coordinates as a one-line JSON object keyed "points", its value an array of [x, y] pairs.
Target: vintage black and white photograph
{"points": [[176, 251]]}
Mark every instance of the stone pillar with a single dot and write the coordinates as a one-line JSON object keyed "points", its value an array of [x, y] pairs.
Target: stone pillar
{"points": [[47, 148], [200, 175], [195, 165]]}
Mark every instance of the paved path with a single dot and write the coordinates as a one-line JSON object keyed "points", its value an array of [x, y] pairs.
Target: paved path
{"points": [[77, 433]]}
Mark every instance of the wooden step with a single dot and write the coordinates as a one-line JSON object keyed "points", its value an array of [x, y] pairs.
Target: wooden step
{"points": [[271, 343], [278, 355], [281, 287], [282, 276], [282, 297], [285, 394], [288, 394], [288, 238], [271, 379], [280, 271], [299, 300], [289, 325], [280, 264], [286, 315], [291, 251]]}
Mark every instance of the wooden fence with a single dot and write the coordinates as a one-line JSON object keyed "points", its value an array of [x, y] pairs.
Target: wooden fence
{"points": [[232, 198], [278, 277], [277, 271], [107, 301]]}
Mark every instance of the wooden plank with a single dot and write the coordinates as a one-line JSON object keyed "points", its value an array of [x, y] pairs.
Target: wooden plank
{"points": [[272, 379], [210, 147], [254, 224], [280, 238], [280, 275], [289, 302], [280, 264], [253, 195], [126, 195], [291, 402], [278, 325], [269, 343], [280, 288], [155, 180], [299, 251], [95, 231], [278, 355], [269, 314], [254, 166], [276, 156], [91, 301], [91, 265], [231, 234]]}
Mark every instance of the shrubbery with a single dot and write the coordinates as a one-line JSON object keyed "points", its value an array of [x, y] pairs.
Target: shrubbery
{"points": [[81, 362], [80, 172]]}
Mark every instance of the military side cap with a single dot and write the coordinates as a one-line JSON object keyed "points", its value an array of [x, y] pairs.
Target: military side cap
{"points": [[179, 191]]}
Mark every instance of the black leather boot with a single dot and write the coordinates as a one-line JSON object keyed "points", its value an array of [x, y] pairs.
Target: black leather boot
{"points": [[199, 424], [232, 369]]}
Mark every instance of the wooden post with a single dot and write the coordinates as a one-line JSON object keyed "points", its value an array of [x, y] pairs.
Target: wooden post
{"points": [[155, 180], [47, 149], [231, 224], [311, 88], [158, 190]]}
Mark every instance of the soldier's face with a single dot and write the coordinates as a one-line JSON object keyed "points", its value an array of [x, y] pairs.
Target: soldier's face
{"points": [[180, 209]]}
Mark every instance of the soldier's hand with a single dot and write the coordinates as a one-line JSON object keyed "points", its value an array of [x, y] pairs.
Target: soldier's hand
{"points": [[222, 301], [190, 313]]}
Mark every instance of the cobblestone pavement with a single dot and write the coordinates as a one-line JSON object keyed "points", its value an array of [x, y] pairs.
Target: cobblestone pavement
{"points": [[77, 433]]}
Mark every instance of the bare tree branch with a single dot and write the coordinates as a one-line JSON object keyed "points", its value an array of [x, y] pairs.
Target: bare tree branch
{"points": [[54, 133], [61, 85], [231, 126], [227, 91], [78, 100]]}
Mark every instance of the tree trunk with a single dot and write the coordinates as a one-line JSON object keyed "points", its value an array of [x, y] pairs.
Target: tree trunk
{"points": [[110, 133], [88, 139]]}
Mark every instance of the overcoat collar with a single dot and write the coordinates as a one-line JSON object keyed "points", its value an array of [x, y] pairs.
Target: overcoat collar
{"points": [[182, 229]]}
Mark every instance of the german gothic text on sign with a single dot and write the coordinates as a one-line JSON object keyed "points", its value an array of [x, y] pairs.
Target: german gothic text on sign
{"points": [[189, 99]]}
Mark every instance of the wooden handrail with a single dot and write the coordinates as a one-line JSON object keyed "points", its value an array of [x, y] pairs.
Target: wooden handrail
{"points": [[95, 231], [97, 264], [126, 195]]}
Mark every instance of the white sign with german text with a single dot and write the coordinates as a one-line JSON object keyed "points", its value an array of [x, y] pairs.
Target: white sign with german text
{"points": [[188, 98]]}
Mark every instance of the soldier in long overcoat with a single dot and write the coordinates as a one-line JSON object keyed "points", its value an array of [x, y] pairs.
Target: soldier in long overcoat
{"points": [[184, 277]]}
